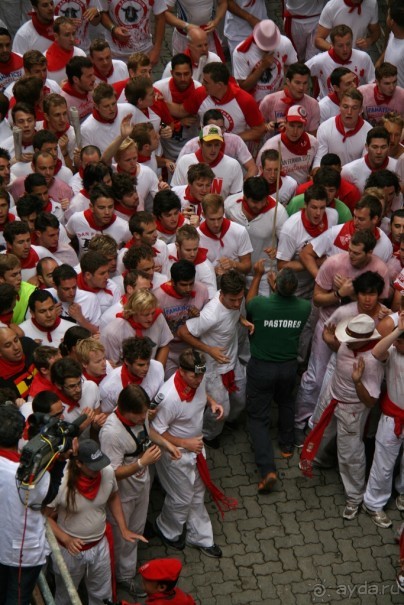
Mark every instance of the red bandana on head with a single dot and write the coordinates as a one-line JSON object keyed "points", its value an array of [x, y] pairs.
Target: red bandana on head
{"points": [[219, 237], [300, 147], [46, 31], [162, 229], [128, 378], [58, 57], [169, 289], [83, 285], [68, 89], [348, 133], [89, 216], [314, 230], [185, 392], [48, 331], [337, 59], [135, 324], [14, 63]]}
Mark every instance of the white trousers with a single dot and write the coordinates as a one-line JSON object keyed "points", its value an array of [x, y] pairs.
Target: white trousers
{"points": [[378, 489], [94, 566], [303, 34], [185, 500]]}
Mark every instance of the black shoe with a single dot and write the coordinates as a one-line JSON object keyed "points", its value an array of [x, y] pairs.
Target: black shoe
{"points": [[214, 443], [213, 551], [178, 544]]}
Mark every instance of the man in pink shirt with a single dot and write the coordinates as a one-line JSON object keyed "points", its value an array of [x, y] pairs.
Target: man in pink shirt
{"points": [[382, 96]]}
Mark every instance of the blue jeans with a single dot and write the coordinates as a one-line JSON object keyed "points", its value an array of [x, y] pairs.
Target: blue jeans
{"points": [[268, 380], [9, 593]]}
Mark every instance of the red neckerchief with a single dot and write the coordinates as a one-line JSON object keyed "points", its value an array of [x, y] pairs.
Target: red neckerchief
{"points": [[224, 229], [162, 229], [58, 57], [169, 289], [136, 325], [31, 261], [185, 392], [46, 31], [8, 369], [71, 403], [59, 134], [229, 95], [39, 384], [179, 96], [88, 486], [97, 116], [85, 193], [300, 147], [124, 420], [201, 159], [188, 197], [5, 318], [124, 210], [345, 234], [14, 63], [13, 456], [48, 331], [269, 205], [366, 347], [132, 174], [272, 186], [9, 219], [334, 98], [288, 99], [246, 45], [187, 52], [354, 7], [100, 76], [201, 256], [389, 408], [68, 89], [89, 216], [83, 285], [382, 167], [314, 230], [347, 133], [58, 166], [337, 59], [130, 243], [96, 379], [143, 158], [128, 378], [379, 97]]}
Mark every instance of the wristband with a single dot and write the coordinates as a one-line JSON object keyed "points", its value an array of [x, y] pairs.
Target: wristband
{"points": [[141, 466], [112, 27]]}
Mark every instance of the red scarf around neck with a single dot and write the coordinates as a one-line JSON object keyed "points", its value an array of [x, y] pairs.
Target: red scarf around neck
{"points": [[201, 256], [188, 197], [345, 235], [381, 167], [162, 229], [99, 118], [314, 230], [228, 96], [88, 486], [185, 392], [202, 160], [68, 89], [334, 98], [83, 285], [219, 237], [135, 324], [14, 63], [128, 378], [8, 369], [9, 219], [44, 30], [271, 203], [10, 455], [347, 133], [100, 76], [124, 210], [85, 193], [337, 59], [380, 98], [58, 134], [48, 331], [353, 7], [57, 57], [246, 45], [91, 378], [89, 216], [300, 147], [124, 420], [31, 261], [39, 384], [169, 289], [5, 318], [288, 99], [179, 96]]}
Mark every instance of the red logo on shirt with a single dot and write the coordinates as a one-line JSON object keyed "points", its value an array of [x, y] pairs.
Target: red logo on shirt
{"points": [[217, 185], [228, 120]]}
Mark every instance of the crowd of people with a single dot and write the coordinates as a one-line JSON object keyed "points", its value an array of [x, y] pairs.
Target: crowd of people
{"points": [[175, 251]]}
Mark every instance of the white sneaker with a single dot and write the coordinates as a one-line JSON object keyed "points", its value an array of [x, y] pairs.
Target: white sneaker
{"points": [[400, 502], [378, 517]]}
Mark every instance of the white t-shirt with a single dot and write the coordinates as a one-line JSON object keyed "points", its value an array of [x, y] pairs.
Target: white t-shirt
{"points": [[324, 244], [336, 12], [328, 109], [394, 54], [236, 243], [228, 174], [244, 63], [90, 307], [78, 226], [331, 141], [90, 398], [55, 336], [119, 73], [27, 38], [100, 134], [358, 171]]}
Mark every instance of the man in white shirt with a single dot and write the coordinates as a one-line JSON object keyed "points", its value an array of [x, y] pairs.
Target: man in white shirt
{"points": [[44, 325], [62, 49], [241, 18], [47, 234], [383, 96], [259, 62], [300, 22], [37, 33], [18, 241], [106, 68], [376, 158], [394, 52], [228, 173], [94, 277], [57, 121], [298, 148], [84, 13], [340, 53], [79, 86], [341, 80], [270, 166], [35, 65], [344, 134], [11, 66]]}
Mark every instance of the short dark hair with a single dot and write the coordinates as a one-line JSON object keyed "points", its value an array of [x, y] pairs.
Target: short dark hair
{"points": [[13, 229], [315, 192], [42, 355], [100, 190], [136, 89], [368, 282], [137, 348], [340, 31], [211, 114], [365, 237], [385, 70], [135, 254], [181, 59], [63, 272], [327, 177], [232, 282], [65, 368], [286, 282], [27, 204], [182, 270], [98, 45], [4, 105], [39, 296], [378, 132], [199, 171], [165, 201], [74, 67], [41, 137], [34, 180], [91, 261], [139, 218], [8, 296], [12, 424], [256, 188], [218, 72], [45, 220], [43, 401], [299, 69], [24, 107], [337, 74], [383, 178], [122, 185], [330, 159], [396, 11], [94, 174], [371, 202], [71, 338], [133, 399]]}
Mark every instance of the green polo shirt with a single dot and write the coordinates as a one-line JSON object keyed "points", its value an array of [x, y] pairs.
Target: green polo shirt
{"points": [[297, 202]]}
